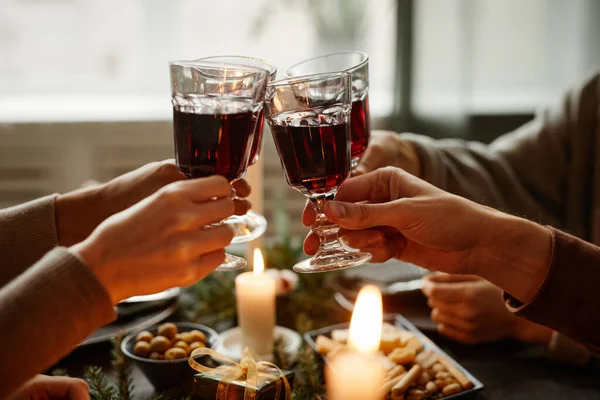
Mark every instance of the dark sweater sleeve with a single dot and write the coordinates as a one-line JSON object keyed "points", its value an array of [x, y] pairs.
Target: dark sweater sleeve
{"points": [[569, 299], [45, 312]]}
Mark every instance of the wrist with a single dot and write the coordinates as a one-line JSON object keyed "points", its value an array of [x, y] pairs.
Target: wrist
{"points": [[77, 214], [411, 161], [515, 255], [530, 332], [91, 253]]}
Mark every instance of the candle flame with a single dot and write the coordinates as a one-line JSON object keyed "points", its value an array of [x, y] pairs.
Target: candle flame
{"points": [[259, 263], [367, 320]]}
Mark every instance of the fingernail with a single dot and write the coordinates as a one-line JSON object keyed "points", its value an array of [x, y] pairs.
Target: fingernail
{"points": [[426, 289], [375, 240], [337, 209], [358, 171]]}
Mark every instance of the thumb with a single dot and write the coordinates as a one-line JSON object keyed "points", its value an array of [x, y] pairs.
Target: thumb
{"points": [[361, 216]]}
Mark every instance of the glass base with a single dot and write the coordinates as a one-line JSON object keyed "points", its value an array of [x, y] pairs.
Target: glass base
{"points": [[247, 227], [232, 263], [332, 260]]}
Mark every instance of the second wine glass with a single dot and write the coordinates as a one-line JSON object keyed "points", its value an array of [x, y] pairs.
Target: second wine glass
{"points": [[357, 64], [309, 118], [251, 225], [215, 108]]}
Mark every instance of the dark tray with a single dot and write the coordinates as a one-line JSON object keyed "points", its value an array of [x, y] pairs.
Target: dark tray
{"points": [[402, 323]]}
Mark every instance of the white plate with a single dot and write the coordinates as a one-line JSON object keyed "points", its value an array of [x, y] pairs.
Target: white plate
{"points": [[164, 295], [230, 344]]}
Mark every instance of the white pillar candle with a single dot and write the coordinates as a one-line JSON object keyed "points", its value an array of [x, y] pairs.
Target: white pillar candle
{"points": [[255, 177], [358, 374], [255, 293]]}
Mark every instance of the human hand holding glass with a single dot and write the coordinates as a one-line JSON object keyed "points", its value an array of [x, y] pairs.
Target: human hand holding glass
{"points": [[310, 122]]}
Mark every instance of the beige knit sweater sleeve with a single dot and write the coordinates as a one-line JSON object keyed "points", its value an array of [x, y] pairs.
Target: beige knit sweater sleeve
{"points": [[27, 232], [46, 307]]}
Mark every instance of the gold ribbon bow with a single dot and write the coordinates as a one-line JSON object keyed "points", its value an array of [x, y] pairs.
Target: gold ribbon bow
{"points": [[249, 369]]}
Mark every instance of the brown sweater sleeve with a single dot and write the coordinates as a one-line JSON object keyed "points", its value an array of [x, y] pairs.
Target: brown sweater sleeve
{"points": [[569, 299], [27, 232], [541, 170], [58, 297]]}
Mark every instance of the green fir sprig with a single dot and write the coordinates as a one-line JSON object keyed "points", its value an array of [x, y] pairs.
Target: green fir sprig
{"points": [[101, 388], [122, 367]]}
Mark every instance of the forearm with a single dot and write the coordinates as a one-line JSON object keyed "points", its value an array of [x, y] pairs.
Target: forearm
{"points": [[549, 277], [515, 255], [58, 296], [498, 175]]}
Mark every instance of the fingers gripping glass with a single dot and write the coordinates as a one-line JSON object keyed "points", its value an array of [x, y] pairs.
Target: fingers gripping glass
{"points": [[215, 109], [310, 122], [250, 225], [357, 64]]}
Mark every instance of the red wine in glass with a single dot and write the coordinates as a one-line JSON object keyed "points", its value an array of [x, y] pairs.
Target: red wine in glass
{"points": [[213, 144], [360, 127], [258, 138], [316, 158]]}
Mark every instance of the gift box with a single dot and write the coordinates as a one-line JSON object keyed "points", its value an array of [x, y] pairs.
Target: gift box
{"points": [[206, 387], [221, 378]]}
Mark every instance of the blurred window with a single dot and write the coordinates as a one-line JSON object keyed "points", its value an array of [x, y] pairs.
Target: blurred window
{"points": [[82, 60], [500, 56]]}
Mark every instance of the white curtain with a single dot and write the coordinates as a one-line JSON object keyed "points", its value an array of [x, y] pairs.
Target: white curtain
{"points": [[500, 56]]}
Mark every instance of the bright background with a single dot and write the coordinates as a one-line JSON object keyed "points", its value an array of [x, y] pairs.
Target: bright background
{"points": [[84, 83]]}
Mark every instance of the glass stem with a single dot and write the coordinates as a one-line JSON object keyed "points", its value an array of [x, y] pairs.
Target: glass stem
{"points": [[326, 230]]}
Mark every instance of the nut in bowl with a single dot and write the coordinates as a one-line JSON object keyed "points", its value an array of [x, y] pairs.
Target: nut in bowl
{"points": [[162, 352], [416, 369]]}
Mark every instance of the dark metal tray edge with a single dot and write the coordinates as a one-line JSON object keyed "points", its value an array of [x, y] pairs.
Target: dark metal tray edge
{"points": [[401, 322]]}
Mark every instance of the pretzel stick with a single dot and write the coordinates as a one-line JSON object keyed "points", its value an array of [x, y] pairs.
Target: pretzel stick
{"points": [[395, 371], [459, 376], [407, 379], [426, 359], [390, 383]]}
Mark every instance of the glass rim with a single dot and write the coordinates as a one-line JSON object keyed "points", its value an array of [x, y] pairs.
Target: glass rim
{"points": [[308, 78], [272, 68], [364, 60], [248, 69]]}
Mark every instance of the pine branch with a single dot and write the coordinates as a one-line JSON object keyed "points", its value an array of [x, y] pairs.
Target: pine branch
{"points": [[310, 383], [279, 357], [212, 297], [100, 387], [183, 393], [122, 367], [60, 372]]}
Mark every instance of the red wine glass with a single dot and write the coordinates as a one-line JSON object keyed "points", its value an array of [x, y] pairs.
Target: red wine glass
{"points": [[250, 225], [215, 108], [309, 118], [357, 64]]}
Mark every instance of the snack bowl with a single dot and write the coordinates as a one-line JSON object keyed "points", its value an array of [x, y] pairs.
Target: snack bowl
{"points": [[164, 374]]}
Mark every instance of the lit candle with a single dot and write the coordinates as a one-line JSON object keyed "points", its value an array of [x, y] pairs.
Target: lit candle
{"points": [[358, 374], [255, 292], [255, 177]]}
